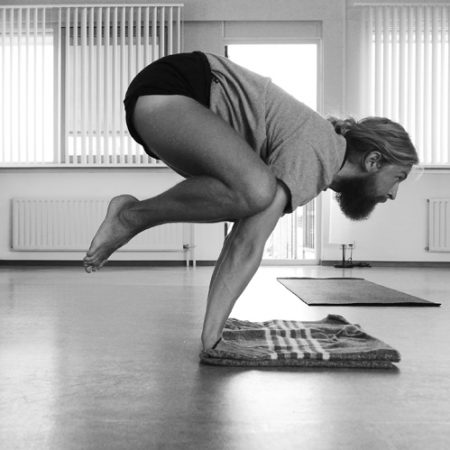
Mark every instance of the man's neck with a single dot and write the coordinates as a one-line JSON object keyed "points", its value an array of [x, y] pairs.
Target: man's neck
{"points": [[348, 170]]}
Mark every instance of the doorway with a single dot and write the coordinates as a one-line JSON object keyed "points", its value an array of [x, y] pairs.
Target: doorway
{"points": [[294, 67]]}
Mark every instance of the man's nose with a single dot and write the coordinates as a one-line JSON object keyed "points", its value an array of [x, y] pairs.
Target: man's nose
{"points": [[393, 192]]}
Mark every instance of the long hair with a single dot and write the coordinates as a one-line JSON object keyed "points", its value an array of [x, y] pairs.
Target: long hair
{"points": [[376, 133]]}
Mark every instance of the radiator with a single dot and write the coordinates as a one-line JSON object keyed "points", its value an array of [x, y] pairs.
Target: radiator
{"points": [[69, 224], [438, 225]]}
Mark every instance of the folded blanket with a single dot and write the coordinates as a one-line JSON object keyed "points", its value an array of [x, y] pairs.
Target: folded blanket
{"points": [[330, 342]]}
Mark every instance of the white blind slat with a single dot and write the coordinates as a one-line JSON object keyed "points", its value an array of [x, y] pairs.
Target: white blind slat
{"points": [[18, 79], [155, 43], [419, 79], [114, 106], [445, 88], [107, 88], [57, 101], [137, 27], [26, 112], [395, 69], [34, 102], [122, 81], [170, 32], [386, 61], [139, 63], [83, 83], [146, 36], [91, 84], [11, 75], [75, 89], [44, 100], [427, 85], [410, 101], [435, 93], [402, 73], [378, 63], [162, 27], [178, 30], [2, 86], [66, 87], [131, 68], [98, 87], [366, 39]]}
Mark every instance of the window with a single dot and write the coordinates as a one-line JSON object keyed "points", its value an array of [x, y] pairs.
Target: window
{"points": [[405, 69], [64, 72]]}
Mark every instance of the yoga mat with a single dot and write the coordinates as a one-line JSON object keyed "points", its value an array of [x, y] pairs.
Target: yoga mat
{"points": [[349, 292], [332, 342]]}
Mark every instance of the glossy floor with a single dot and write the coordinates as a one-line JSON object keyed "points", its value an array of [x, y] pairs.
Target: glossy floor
{"points": [[110, 361]]}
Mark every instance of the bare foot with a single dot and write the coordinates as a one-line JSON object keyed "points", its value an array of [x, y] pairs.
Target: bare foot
{"points": [[112, 234]]}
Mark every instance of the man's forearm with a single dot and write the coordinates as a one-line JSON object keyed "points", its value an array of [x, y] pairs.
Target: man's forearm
{"points": [[228, 239], [237, 263], [235, 267]]}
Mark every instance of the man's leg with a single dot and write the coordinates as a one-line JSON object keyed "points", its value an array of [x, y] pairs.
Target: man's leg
{"points": [[227, 179]]}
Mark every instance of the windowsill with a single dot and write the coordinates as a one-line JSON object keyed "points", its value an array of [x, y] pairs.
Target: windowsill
{"points": [[82, 166], [424, 168], [433, 169]]}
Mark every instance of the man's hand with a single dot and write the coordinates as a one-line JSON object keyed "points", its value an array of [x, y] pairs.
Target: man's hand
{"points": [[209, 342]]}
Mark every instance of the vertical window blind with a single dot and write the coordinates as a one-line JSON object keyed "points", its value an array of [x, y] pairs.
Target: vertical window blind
{"points": [[64, 71], [405, 73]]}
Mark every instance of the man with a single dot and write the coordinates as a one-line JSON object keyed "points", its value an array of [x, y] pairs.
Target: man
{"points": [[249, 153]]}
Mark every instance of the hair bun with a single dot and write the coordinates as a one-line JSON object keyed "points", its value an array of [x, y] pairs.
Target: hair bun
{"points": [[342, 126], [376, 133]]}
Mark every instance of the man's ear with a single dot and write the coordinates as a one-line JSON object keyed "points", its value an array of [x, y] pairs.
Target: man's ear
{"points": [[372, 161]]}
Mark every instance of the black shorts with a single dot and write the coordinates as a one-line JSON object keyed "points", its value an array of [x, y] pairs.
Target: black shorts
{"points": [[187, 74]]}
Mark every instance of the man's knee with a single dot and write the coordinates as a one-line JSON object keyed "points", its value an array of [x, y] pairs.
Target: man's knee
{"points": [[260, 195]]}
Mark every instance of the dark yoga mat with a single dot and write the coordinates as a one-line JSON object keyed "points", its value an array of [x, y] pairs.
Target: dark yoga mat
{"points": [[349, 292]]}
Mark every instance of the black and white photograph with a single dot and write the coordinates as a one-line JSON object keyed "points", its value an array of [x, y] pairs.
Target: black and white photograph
{"points": [[224, 225]]}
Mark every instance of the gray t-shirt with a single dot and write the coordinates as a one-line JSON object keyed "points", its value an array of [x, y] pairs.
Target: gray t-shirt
{"points": [[300, 146]]}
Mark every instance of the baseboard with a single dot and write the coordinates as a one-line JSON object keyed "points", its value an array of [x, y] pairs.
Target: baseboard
{"points": [[393, 263], [207, 263], [164, 263]]}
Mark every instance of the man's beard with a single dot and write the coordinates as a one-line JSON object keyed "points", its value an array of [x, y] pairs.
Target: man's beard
{"points": [[356, 197]]}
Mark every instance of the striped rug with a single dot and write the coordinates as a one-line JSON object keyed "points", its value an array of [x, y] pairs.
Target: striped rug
{"points": [[330, 342]]}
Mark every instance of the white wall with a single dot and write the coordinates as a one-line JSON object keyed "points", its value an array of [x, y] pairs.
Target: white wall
{"points": [[106, 182], [395, 233]]}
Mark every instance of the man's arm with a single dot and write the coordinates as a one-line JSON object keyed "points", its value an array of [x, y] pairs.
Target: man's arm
{"points": [[238, 261]]}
